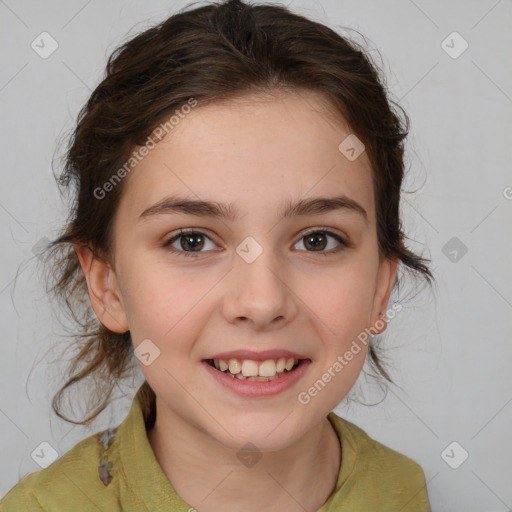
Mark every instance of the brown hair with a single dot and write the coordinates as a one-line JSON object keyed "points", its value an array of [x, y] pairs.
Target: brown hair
{"points": [[210, 53]]}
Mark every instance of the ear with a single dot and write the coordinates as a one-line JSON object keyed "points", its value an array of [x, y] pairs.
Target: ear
{"points": [[385, 280], [103, 290]]}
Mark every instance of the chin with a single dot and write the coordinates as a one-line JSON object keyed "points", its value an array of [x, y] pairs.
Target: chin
{"points": [[268, 433]]}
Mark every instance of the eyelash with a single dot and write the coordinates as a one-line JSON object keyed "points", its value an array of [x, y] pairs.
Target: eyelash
{"points": [[191, 254]]}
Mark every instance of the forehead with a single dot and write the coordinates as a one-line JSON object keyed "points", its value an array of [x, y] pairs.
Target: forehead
{"points": [[254, 150]]}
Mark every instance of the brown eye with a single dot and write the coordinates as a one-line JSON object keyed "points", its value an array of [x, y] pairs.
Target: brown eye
{"points": [[318, 241], [189, 243]]}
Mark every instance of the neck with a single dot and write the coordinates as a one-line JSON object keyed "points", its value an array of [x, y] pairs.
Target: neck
{"points": [[211, 477]]}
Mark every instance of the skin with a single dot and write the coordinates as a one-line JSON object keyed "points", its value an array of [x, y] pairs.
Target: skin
{"points": [[255, 152]]}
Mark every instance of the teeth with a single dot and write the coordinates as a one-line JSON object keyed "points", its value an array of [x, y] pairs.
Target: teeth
{"points": [[249, 368], [255, 370], [267, 368], [260, 379], [257, 378], [234, 366]]}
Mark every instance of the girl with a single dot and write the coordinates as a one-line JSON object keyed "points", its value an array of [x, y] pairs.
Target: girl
{"points": [[237, 231]]}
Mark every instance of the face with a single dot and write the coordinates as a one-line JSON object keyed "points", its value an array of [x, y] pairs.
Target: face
{"points": [[255, 285]]}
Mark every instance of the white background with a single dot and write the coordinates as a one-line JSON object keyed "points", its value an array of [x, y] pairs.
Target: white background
{"points": [[450, 350]]}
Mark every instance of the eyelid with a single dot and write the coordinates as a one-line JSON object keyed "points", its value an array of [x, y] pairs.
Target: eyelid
{"points": [[342, 239], [186, 231], [316, 229]]}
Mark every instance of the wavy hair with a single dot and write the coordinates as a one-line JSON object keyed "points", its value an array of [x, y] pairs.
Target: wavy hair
{"points": [[209, 53]]}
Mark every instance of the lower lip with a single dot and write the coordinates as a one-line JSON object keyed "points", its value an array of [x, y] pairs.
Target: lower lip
{"points": [[249, 388]]}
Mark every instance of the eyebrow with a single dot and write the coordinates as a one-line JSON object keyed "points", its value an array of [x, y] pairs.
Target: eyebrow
{"points": [[201, 208]]}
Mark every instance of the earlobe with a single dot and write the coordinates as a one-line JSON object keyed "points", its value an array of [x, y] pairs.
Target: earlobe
{"points": [[386, 278], [105, 298]]}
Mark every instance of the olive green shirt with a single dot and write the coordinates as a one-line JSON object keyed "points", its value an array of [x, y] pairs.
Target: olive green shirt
{"points": [[116, 470]]}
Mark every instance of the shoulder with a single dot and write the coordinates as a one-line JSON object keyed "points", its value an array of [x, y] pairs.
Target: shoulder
{"points": [[77, 473], [391, 475], [373, 455]]}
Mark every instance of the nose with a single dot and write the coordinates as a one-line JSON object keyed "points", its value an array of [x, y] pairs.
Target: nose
{"points": [[257, 293]]}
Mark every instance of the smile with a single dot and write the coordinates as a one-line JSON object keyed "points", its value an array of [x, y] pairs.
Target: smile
{"points": [[250, 378], [256, 371]]}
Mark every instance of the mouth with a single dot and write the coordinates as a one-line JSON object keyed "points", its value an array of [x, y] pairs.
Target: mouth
{"points": [[257, 371]]}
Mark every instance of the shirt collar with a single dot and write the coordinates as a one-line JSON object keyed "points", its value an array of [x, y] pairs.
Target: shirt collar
{"points": [[144, 476]]}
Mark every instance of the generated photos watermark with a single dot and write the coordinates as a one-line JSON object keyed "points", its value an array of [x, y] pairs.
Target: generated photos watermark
{"points": [[139, 154], [304, 397]]}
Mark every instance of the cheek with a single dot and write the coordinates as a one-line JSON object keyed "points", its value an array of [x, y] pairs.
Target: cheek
{"points": [[161, 302], [341, 299]]}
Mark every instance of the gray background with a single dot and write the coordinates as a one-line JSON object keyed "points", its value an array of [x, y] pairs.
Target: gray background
{"points": [[450, 351]]}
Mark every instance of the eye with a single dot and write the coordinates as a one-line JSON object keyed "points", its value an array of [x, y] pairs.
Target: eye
{"points": [[318, 239], [190, 243]]}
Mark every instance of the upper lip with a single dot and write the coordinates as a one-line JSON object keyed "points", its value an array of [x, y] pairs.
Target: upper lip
{"points": [[258, 356]]}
